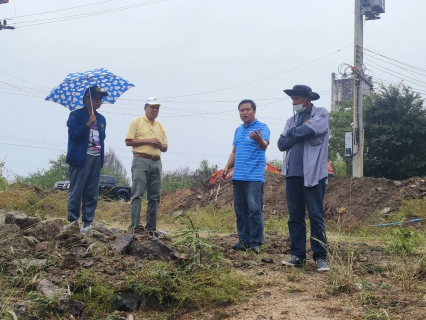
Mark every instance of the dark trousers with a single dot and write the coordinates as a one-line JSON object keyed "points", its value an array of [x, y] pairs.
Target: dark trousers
{"points": [[248, 203], [84, 190], [299, 197]]}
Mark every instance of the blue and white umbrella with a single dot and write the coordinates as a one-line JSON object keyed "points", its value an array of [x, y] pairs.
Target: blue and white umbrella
{"points": [[71, 91]]}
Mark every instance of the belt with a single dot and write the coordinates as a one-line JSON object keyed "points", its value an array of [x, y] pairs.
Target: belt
{"points": [[146, 156]]}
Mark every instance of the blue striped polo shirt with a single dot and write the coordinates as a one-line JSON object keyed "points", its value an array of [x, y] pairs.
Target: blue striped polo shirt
{"points": [[250, 160]]}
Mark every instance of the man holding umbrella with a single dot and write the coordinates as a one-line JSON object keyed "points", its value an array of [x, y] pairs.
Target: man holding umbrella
{"points": [[85, 156]]}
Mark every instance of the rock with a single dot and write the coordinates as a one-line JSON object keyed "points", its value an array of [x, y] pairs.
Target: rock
{"points": [[127, 301], [7, 229], [267, 260], [199, 196], [398, 183], [165, 249], [73, 227], [386, 210], [146, 250], [357, 286], [31, 263], [414, 186], [88, 264], [103, 230], [69, 261], [45, 230], [267, 294], [179, 257], [73, 307], [68, 239], [177, 213], [20, 219], [122, 242], [80, 251], [49, 290]]}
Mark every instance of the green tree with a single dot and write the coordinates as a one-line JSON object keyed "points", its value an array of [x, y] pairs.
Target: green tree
{"points": [[3, 181], [340, 122], [58, 171], [395, 131], [203, 173]]}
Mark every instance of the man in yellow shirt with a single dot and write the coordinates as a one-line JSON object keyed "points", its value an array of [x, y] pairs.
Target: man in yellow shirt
{"points": [[148, 139]]}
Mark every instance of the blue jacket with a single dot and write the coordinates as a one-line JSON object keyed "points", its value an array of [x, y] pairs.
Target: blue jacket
{"points": [[78, 136]]}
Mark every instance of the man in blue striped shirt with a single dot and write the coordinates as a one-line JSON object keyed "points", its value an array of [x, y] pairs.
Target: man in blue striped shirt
{"points": [[248, 160]]}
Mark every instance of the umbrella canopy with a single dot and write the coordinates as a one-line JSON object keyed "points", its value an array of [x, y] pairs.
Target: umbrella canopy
{"points": [[71, 91]]}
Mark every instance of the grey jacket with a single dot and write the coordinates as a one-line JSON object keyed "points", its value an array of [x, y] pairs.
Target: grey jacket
{"points": [[315, 154]]}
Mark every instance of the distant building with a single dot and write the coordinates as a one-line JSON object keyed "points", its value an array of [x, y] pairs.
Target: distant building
{"points": [[343, 89]]}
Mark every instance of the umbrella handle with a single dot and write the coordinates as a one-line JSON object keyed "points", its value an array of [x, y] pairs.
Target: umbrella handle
{"points": [[91, 104]]}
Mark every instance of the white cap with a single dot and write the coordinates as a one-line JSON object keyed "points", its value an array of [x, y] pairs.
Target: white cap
{"points": [[153, 101]]}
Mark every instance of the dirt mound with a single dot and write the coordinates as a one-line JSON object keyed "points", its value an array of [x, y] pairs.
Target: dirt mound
{"points": [[356, 199]]}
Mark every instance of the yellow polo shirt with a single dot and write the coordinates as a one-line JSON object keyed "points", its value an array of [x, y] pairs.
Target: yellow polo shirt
{"points": [[142, 128]]}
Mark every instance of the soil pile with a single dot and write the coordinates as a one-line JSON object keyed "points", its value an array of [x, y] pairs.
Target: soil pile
{"points": [[354, 199]]}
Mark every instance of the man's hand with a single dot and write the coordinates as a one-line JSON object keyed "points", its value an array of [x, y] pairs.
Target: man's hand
{"points": [[92, 119], [307, 121], [156, 143], [224, 172], [256, 135]]}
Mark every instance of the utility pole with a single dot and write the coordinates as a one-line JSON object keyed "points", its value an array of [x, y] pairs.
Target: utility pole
{"points": [[371, 9], [4, 25]]}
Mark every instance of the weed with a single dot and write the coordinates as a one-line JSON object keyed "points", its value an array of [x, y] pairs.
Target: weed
{"points": [[210, 217], [40, 305], [341, 276], [161, 285], [200, 251], [404, 241], [94, 290]]}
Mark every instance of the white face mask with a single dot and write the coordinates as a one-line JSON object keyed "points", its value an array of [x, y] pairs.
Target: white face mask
{"points": [[299, 107]]}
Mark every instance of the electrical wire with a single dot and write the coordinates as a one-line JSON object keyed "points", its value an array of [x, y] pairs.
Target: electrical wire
{"points": [[80, 16], [403, 63], [254, 81], [394, 64], [415, 81], [66, 9]]}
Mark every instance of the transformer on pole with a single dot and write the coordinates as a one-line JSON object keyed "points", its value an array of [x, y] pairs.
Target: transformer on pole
{"points": [[371, 9]]}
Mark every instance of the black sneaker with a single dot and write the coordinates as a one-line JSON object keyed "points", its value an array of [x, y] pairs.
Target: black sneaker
{"points": [[153, 233], [322, 265], [294, 262], [255, 249], [239, 247]]}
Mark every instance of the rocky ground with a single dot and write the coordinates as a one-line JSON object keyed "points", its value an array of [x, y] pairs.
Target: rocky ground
{"points": [[375, 290]]}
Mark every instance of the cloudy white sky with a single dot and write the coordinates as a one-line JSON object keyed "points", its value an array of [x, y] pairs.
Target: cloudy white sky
{"points": [[200, 58]]}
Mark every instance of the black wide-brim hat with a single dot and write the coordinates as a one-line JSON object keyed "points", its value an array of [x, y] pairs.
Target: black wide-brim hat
{"points": [[303, 91]]}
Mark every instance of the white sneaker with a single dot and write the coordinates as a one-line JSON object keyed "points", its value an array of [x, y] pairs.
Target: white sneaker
{"points": [[85, 229]]}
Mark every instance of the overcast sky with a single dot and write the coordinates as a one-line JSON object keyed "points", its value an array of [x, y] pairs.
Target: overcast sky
{"points": [[199, 58]]}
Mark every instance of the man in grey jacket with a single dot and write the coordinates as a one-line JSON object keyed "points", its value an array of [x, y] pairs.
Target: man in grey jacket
{"points": [[305, 141]]}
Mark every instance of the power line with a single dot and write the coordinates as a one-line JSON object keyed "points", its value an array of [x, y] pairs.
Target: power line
{"points": [[80, 16], [70, 8], [412, 80], [23, 80], [394, 64], [406, 64], [254, 81]]}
